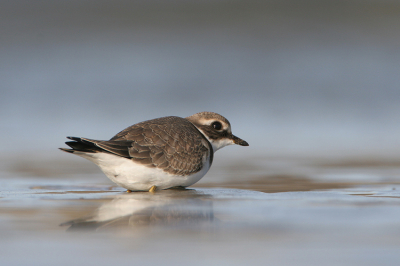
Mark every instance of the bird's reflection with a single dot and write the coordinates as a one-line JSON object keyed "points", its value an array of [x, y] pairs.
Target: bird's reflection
{"points": [[164, 208]]}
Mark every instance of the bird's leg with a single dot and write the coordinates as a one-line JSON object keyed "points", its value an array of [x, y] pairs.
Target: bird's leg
{"points": [[152, 189]]}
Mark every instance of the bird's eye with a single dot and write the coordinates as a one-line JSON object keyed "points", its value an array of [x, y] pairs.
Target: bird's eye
{"points": [[216, 125]]}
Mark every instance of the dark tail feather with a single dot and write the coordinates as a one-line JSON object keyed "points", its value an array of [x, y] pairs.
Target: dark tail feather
{"points": [[67, 150], [120, 148], [80, 144]]}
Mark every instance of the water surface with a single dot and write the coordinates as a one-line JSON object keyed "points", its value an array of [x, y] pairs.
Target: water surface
{"points": [[79, 218]]}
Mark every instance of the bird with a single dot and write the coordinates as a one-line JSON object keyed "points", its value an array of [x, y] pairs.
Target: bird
{"points": [[162, 153]]}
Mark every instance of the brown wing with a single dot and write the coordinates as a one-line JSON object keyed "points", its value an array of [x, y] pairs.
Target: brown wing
{"points": [[169, 143]]}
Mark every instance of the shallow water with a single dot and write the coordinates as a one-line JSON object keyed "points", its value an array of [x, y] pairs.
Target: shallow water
{"points": [[79, 217]]}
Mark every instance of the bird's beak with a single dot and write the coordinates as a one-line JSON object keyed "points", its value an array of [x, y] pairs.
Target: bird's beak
{"points": [[239, 141]]}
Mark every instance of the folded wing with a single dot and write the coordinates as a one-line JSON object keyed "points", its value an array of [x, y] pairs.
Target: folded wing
{"points": [[170, 143]]}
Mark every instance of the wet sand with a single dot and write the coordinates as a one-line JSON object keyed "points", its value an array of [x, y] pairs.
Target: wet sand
{"points": [[329, 213]]}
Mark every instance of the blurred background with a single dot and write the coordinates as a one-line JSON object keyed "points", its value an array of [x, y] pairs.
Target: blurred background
{"points": [[293, 77]]}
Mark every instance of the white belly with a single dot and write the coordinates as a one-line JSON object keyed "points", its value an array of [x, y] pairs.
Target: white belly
{"points": [[137, 177]]}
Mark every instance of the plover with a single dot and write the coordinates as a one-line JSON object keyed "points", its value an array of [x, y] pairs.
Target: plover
{"points": [[160, 153]]}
